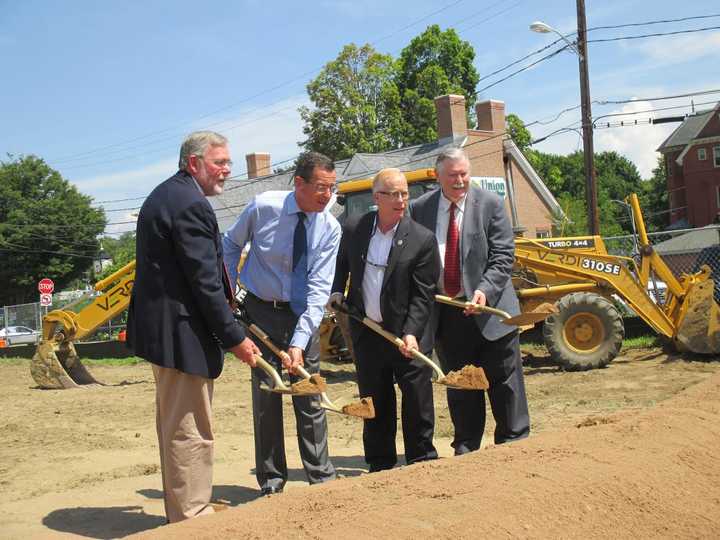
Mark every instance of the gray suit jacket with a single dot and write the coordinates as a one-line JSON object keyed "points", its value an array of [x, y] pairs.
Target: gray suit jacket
{"points": [[487, 253]]}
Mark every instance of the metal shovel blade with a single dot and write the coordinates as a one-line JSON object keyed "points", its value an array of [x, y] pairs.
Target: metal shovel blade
{"points": [[313, 386]]}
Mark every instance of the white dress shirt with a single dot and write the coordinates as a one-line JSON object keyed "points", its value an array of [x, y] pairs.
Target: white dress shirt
{"points": [[375, 264], [441, 229]]}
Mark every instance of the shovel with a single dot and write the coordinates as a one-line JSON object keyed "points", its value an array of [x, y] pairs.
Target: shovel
{"points": [[468, 378], [311, 386], [524, 319], [362, 409]]}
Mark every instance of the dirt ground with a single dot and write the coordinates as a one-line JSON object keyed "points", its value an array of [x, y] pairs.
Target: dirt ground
{"points": [[628, 450]]}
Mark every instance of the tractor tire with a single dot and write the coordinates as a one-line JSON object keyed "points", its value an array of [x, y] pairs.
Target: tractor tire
{"points": [[586, 332]]}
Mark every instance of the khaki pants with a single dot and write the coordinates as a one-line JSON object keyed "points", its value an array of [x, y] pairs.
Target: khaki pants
{"points": [[184, 428]]}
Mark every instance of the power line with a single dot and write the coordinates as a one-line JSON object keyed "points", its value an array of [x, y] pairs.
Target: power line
{"points": [[633, 100], [648, 23], [621, 38], [514, 73]]}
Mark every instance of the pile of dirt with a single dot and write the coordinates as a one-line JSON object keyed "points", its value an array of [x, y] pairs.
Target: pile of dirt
{"points": [[650, 473]]}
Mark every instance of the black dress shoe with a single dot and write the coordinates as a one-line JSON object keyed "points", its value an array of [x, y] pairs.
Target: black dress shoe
{"points": [[270, 490]]}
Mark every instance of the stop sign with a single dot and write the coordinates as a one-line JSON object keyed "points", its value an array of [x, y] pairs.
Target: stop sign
{"points": [[46, 286]]}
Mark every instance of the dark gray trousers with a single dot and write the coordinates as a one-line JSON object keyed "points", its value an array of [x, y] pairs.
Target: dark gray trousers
{"points": [[459, 343], [310, 421]]}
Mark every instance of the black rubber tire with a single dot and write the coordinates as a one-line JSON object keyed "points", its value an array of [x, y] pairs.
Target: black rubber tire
{"points": [[601, 324]]}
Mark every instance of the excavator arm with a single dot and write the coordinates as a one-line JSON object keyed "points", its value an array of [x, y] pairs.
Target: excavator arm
{"points": [[56, 363]]}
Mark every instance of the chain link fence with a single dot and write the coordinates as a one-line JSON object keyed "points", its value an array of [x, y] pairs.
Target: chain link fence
{"points": [[683, 251], [29, 316]]}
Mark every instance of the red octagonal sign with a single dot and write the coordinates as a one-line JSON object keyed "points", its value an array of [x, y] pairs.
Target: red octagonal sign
{"points": [[46, 286]]}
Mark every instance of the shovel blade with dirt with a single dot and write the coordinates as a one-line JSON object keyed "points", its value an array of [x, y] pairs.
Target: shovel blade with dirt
{"points": [[469, 378], [360, 409]]}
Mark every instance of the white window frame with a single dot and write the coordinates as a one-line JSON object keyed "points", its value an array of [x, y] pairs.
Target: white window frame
{"points": [[542, 233], [702, 154], [716, 156]]}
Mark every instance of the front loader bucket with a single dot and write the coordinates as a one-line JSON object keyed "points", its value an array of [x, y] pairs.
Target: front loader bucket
{"points": [[57, 366], [699, 326]]}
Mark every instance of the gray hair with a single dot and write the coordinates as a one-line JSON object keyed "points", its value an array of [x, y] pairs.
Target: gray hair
{"points": [[382, 176], [450, 154], [197, 144]]}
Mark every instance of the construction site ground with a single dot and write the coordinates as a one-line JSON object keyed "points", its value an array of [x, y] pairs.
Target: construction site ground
{"points": [[627, 451]]}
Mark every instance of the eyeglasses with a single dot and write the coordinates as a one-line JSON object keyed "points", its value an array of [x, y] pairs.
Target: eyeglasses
{"points": [[324, 188], [404, 195], [219, 162]]}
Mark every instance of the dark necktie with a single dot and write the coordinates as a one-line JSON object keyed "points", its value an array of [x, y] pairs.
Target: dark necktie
{"points": [[452, 256], [298, 280]]}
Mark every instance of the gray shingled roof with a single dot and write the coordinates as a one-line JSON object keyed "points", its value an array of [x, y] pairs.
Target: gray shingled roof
{"points": [[239, 192], [687, 131], [690, 242]]}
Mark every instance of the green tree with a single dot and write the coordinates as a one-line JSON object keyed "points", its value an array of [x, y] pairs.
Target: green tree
{"points": [[47, 229], [433, 64], [356, 105], [616, 177], [518, 132], [121, 250], [654, 198]]}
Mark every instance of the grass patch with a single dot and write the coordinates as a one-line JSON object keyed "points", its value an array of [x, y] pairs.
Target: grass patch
{"points": [[129, 361], [642, 342]]}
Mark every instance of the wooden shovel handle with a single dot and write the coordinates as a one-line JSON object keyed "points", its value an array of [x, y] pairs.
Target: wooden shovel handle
{"points": [[400, 343], [465, 305]]}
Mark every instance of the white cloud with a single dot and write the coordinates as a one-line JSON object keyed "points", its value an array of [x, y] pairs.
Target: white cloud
{"points": [[679, 49], [637, 142]]}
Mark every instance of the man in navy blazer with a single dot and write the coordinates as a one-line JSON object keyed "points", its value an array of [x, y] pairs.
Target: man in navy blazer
{"points": [[180, 318], [479, 271]]}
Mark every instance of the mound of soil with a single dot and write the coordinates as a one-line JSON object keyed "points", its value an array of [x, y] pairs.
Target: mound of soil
{"points": [[651, 473]]}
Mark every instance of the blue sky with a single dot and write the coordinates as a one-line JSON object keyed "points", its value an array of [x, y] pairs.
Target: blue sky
{"points": [[105, 91]]}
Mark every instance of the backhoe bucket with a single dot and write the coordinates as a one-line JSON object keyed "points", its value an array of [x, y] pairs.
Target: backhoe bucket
{"points": [[699, 327], [57, 366]]}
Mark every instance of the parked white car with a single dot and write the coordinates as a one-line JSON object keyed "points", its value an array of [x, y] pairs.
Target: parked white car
{"points": [[16, 335]]}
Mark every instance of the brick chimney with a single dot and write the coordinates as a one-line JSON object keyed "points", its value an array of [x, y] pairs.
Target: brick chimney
{"points": [[451, 116], [490, 115], [258, 164]]}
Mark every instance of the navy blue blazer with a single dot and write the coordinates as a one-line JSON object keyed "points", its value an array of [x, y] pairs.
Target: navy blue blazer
{"points": [[179, 316]]}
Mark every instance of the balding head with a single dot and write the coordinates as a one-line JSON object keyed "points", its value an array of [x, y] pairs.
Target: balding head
{"points": [[390, 193]]}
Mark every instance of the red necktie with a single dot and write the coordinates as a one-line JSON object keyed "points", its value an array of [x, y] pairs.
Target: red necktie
{"points": [[452, 256]]}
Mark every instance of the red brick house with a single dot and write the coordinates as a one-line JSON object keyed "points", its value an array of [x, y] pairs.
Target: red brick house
{"points": [[692, 164]]}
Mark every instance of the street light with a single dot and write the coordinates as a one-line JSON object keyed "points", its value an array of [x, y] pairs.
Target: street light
{"points": [[579, 47]]}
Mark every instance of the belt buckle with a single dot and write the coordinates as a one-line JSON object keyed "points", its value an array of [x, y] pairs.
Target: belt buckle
{"points": [[276, 304]]}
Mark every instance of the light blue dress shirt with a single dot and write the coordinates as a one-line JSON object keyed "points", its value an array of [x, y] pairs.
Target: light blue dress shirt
{"points": [[268, 223]]}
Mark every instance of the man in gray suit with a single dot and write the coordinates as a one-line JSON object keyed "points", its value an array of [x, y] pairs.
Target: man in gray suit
{"points": [[477, 249]]}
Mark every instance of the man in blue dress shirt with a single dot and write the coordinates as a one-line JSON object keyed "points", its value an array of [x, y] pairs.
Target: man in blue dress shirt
{"points": [[288, 274]]}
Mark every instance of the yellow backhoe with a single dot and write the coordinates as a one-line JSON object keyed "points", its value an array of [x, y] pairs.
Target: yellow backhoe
{"points": [[56, 363], [582, 279]]}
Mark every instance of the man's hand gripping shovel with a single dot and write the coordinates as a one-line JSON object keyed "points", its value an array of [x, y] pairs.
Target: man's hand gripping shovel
{"points": [[468, 378]]}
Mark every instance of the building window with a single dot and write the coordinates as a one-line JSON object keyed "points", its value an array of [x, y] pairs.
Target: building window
{"points": [[542, 233], [669, 167], [702, 154], [716, 155]]}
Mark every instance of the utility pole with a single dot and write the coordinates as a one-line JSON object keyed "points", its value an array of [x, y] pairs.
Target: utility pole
{"points": [[587, 126]]}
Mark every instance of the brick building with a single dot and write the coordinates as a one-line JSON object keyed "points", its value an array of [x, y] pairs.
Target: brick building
{"points": [[496, 163], [692, 163]]}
